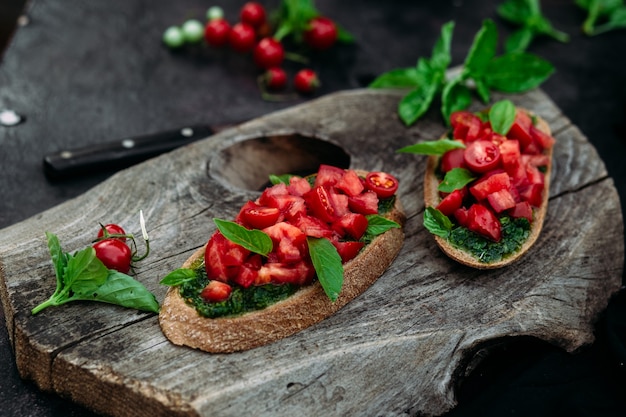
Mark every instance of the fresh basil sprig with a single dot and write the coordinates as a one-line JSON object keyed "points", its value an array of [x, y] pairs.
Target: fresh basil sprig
{"points": [[482, 71], [528, 15], [603, 16], [254, 240], [82, 276]]}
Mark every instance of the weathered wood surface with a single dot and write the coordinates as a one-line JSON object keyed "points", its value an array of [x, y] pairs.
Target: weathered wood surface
{"points": [[399, 348]]}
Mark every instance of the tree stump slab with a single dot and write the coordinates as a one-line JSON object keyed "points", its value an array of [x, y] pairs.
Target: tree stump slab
{"points": [[401, 347]]}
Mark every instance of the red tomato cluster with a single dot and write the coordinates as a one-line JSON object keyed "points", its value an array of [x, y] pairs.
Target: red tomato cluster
{"points": [[253, 34], [334, 207], [111, 248], [509, 181]]}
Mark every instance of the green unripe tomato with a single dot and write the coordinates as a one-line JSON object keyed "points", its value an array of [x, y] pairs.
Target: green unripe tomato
{"points": [[173, 37], [193, 31], [214, 12]]}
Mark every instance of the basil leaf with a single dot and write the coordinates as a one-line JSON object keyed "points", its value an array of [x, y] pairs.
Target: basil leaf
{"points": [[377, 225], [397, 78], [432, 147], [327, 264], [482, 90], [85, 272], [254, 240], [617, 20], [179, 276], [455, 96], [416, 103], [123, 290], [441, 57], [455, 179], [59, 259], [502, 116], [519, 40], [278, 179], [517, 72], [483, 49], [437, 223]]}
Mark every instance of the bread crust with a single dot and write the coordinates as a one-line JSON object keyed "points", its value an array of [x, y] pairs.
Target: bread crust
{"points": [[182, 325], [432, 199]]}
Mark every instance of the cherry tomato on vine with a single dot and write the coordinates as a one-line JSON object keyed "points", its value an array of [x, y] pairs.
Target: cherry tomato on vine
{"points": [[306, 81], [275, 78], [268, 53], [242, 37], [383, 184], [112, 229], [253, 14], [114, 254], [321, 34], [216, 32]]}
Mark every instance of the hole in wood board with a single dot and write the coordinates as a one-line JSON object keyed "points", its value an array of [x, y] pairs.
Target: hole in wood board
{"points": [[248, 164]]}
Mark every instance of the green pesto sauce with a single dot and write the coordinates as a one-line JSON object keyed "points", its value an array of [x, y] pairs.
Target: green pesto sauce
{"points": [[241, 300], [514, 234]]}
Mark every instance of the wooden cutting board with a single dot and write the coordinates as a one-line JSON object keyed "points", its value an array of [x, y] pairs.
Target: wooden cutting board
{"points": [[399, 348]]}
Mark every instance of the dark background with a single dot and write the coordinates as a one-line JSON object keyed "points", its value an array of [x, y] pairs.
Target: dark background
{"points": [[87, 72]]}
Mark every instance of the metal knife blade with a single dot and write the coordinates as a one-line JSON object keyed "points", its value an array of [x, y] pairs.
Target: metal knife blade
{"points": [[122, 153]]}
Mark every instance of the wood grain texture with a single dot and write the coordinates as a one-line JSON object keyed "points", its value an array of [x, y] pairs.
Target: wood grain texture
{"points": [[401, 347]]}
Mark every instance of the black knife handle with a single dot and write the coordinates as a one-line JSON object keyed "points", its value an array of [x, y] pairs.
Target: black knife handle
{"points": [[110, 156]]}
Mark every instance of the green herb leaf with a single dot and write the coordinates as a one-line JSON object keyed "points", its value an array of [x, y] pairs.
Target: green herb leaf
{"points": [[377, 225], [278, 179], [59, 259], [502, 116], [483, 49], [437, 223], [455, 179], [85, 272], [254, 240], [441, 56], [599, 10], [527, 13], [456, 96], [432, 147], [517, 72], [519, 40], [123, 290], [327, 264], [178, 277], [397, 78], [413, 105]]}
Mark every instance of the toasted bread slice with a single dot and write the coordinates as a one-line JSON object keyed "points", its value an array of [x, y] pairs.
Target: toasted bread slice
{"points": [[182, 325], [432, 199]]}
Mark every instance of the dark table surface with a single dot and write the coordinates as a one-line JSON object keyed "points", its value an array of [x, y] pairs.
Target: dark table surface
{"points": [[86, 72]]}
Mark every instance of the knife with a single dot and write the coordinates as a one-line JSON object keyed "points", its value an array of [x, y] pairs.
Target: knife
{"points": [[122, 153]]}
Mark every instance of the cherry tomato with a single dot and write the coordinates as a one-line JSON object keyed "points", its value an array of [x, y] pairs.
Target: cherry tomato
{"points": [[216, 291], [453, 159], [275, 78], [253, 14], [114, 254], [260, 217], [269, 53], [306, 81], [465, 125], [383, 184], [482, 156], [216, 32], [321, 34], [112, 229], [242, 37]]}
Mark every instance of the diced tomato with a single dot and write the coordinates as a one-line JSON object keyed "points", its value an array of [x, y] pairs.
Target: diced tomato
{"points": [[522, 209], [520, 129], [312, 226], [364, 203], [353, 225], [213, 259], [482, 221], [535, 160], [289, 205], [298, 186], [289, 242], [299, 273], [534, 175], [350, 183], [533, 194], [383, 184], [328, 176], [452, 202], [544, 140], [510, 151], [465, 125], [320, 204], [259, 217], [460, 215], [490, 183], [348, 249], [216, 291], [268, 193], [482, 156], [501, 200], [453, 159]]}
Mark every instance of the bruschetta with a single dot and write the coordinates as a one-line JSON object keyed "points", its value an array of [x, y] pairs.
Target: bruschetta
{"points": [[228, 298]]}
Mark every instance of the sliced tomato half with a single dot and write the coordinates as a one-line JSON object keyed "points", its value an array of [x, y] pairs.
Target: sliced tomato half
{"points": [[465, 125], [482, 156], [383, 184]]}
